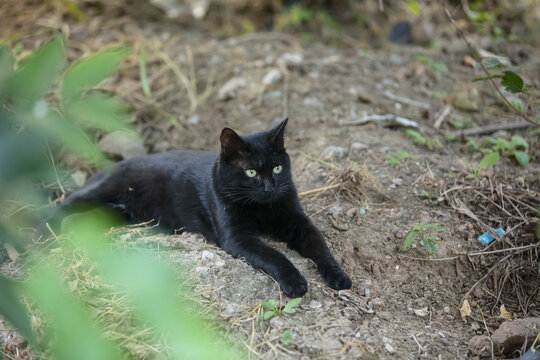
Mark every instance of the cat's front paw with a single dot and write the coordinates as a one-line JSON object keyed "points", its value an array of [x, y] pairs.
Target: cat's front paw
{"points": [[294, 286], [338, 280]]}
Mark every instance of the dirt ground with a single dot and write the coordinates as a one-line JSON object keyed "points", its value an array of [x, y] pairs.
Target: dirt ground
{"points": [[403, 304]]}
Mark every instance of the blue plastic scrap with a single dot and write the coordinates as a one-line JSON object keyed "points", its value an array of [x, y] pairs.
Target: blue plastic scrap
{"points": [[486, 237]]}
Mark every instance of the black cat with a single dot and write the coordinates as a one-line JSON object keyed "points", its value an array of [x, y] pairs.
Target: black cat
{"points": [[233, 198]]}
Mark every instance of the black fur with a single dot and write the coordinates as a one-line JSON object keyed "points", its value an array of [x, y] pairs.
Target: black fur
{"points": [[211, 194]]}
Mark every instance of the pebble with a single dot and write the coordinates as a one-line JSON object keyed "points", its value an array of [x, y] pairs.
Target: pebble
{"points": [[311, 101], [357, 147], [389, 348], [423, 312], [272, 76], [315, 304], [201, 269], [229, 89], [290, 58], [446, 309], [194, 119], [124, 144], [480, 345], [207, 255], [334, 152]]}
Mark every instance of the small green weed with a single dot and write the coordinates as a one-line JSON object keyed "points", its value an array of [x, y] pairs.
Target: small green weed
{"points": [[488, 160], [516, 148], [511, 81], [424, 232], [286, 338], [396, 160], [434, 66], [418, 139], [273, 308]]}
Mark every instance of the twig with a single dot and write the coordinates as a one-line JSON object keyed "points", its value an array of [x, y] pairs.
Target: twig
{"points": [[487, 331], [55, 171], [489, 77], [318, 190], [406, 101], [389, 119], [491, 129], [444, 113], [524, 247]]}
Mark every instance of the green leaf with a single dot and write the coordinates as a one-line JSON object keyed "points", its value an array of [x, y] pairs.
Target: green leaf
{"points": [[269, 314], [270, 305], [512, 82], [143, 73], [13, 310], [402, 155], [99, 111], [289, 307], [37, 71], [491, 62], [392, 160], [522, 158], [488, 160], [519, 142], [502, 144], [488, 141], [409, 240], [6, 69], [90, 71], [417, 138], [286, 338], [429, 245]]}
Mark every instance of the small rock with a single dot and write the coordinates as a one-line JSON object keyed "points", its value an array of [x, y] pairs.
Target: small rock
{"points": [[201, 269], [194, 119], [79, 177], [315, 305], [446, 309], [229, 89], [465, 102], [124, 144], [277, 322], [207, 255], [387, 340], [290, 58], [311, 101], [511, 335], [357, 147], [423, 312], [389, 348], [334, 152], [335, 211], [273, 76], [480, 345]]}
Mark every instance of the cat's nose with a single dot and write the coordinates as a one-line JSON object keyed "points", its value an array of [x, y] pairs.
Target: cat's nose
{"points": [[268, 187]]}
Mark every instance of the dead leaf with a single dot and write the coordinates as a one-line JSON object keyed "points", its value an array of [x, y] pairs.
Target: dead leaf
{"points": [[465, 310], [505, 314]]}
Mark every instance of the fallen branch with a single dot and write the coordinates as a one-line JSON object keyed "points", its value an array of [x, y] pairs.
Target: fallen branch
{"points": [[491, 128], [385, 120], [318, 190], [407, 101], [489, 76]]}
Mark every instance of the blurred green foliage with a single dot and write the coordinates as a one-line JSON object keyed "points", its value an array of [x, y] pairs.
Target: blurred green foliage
{"points": [[45, 110]]}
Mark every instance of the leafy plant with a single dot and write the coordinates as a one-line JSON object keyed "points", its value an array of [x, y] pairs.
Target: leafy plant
{"points": [[511, 81], [516, 148], [286, 338], [43, 110], [274, 310], [435, 66], [488, 160], [423, 231], [418, 139], [396, 160]]}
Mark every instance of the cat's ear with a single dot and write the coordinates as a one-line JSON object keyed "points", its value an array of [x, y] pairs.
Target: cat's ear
{"points": [[278, 134], [231, 142]]}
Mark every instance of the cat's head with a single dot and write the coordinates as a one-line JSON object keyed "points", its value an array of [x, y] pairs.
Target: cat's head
{"points": [[254, 168]]}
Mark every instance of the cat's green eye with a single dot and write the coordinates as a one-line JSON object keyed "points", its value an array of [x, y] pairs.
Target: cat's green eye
{"points": [[251, 173], [277, 169]]}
